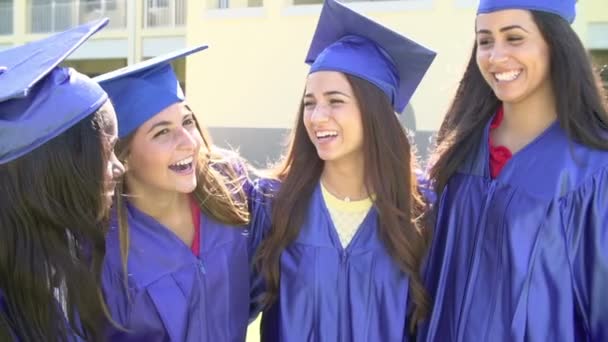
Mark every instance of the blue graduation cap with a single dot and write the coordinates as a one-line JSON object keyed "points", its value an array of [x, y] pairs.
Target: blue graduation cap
{"points": [[564, 8], [140, 91], [349, 42], [38, 99]]}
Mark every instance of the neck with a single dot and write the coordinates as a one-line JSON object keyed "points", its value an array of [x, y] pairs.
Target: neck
{"points": [[345, 180], [165, 206], [524, 121]]}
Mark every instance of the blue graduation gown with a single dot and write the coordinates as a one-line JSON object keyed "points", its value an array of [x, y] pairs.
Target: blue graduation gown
{"points": [[4, 311], [71, 337], [172, 294], [331, 293], [3, 305], [523, 257]]}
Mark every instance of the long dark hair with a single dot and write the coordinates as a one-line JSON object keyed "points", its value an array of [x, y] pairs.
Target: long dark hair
{"points": [[52, 236], [580, 101], [220, 191], [388, 162]]}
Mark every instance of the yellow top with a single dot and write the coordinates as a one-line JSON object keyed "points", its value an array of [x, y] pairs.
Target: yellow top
{"points": [[346, 215]]}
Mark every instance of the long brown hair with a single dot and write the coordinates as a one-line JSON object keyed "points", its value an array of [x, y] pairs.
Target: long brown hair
{"points": [[220, 192], [52, 236], [580, 101], [388, 164]]}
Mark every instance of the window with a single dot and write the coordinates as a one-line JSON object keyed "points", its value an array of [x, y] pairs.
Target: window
{"points": [[224, 4], [101, 5], [50, 15], [6, 17], [158, 3], [164, 13]]}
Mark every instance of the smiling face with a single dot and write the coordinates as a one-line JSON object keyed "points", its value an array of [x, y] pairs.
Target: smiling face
{"points": [[114, 168], [512, 55], [163, 152], [332, 117]]}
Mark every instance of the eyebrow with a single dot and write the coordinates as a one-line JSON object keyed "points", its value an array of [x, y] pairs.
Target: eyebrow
{"points": [[328, 93], [506, 28]]}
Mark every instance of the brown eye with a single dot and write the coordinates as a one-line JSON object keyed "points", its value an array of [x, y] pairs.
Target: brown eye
{"points": [[161, 132]]}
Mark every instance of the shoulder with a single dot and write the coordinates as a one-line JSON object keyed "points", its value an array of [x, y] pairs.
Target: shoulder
{"points": [[585, 164], [221, 158], [262, 196]]}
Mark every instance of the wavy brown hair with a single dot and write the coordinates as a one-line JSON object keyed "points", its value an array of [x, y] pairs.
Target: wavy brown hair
{"points": [[220, 190], [388, 162], [580, 101], [52, 236]]}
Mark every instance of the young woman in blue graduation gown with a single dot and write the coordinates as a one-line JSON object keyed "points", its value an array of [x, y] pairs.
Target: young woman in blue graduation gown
{"points": [[57, 172], [342, 250], [177, 266], [521, 170]]}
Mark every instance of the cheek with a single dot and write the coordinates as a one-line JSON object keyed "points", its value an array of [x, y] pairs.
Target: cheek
{"points": [[481, 58], [154, 161], [108, 175], [352, 123], [543, 64], [306, 122], [359, 131], [200, 142]]}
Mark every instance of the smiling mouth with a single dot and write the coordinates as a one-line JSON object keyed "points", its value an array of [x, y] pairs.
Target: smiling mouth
{"points": [[507, 76], [182, 166], [326, 135]]}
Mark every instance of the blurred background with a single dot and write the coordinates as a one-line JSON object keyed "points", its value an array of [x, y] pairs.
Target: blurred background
{"points": [[246, 87]]}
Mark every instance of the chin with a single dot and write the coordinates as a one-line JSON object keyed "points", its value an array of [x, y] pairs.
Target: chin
{"points": [[509, 98], [510, 95], [186, 188], [326, 155]]}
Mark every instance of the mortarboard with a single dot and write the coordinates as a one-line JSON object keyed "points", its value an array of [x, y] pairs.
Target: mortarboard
{"points": [[38, 99], [349, 42], [142, 90], [564, 8]]}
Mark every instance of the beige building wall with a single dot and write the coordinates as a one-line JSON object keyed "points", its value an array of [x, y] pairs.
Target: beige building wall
{"points": [[253, 73], [248, 84]]}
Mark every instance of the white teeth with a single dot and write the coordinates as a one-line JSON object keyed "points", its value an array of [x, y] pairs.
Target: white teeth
{"points": [[184, 161], [325, 134], [507, 76]]}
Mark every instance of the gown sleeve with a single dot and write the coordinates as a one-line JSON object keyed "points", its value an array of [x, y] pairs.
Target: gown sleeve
{"points": [[137, 316], [260, 207], [585, 225]]}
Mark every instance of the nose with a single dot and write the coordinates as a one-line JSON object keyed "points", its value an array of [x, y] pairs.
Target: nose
{"points": [[319, 114], [498, 54], [188, 140], [117, 169]]}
